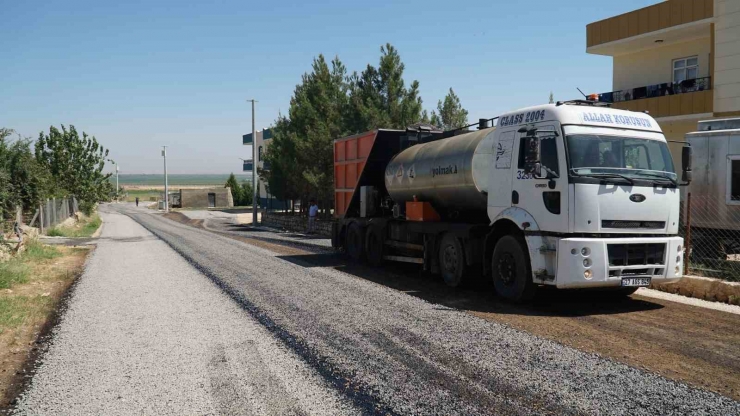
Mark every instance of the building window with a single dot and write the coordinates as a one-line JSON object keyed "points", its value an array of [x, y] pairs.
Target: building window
{"points": [[733, 180], [685, 68]]}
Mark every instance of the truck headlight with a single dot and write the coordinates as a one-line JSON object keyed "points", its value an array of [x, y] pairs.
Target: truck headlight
{"points": [[587, 274], [585, 251], [678, 259], [679, 248], [587, 262], [678, 270]]}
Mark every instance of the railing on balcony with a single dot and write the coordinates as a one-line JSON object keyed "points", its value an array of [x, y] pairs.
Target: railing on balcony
{"points": [[657, 90]]}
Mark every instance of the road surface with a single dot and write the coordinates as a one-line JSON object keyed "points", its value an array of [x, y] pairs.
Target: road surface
{"points": [[332, 338]]}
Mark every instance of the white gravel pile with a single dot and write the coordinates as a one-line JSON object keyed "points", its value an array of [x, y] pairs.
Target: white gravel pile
{"points": [[146, 333]]}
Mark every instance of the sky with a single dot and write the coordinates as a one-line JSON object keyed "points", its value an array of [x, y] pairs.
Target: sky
{"points": [[142, 74]]}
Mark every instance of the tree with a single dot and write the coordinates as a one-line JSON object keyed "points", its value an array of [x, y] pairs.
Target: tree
{"points": [[450, 114], [378, 97], [237, 193], [23, 181], [75, 164], [246, 190]]}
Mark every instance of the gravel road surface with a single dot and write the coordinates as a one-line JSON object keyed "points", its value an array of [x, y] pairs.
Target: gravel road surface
{"points": [[146, 333], [381, 349]]}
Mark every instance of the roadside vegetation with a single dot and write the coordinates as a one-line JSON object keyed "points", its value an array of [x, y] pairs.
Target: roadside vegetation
{"points": [[330, 103], [31, 286], [242, 194], [85, 227], [57, 164]]}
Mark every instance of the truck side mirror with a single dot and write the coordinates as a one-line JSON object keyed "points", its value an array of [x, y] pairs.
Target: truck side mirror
{"points": [[687, 154], [532, 162]]}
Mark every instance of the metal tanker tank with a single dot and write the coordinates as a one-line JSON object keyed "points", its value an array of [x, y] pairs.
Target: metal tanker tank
{"points": [[450, 173]]}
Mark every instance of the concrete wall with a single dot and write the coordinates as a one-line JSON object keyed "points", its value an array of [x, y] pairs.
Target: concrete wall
{"points": [[298, 223], [727, 58], [198, 198], [655, 66]]}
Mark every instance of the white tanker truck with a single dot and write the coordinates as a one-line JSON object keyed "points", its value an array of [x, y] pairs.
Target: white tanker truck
{"points": [[572, 195]]}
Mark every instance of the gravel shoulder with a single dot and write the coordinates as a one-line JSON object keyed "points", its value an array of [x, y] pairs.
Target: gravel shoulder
{"points": [[421, 354], [147, 333]]}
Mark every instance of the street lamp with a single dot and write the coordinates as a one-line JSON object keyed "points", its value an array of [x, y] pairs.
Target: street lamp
{"points": [[166, 189]]}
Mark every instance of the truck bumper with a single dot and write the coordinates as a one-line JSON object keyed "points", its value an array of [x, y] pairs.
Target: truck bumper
{"points": [[601, 262]]}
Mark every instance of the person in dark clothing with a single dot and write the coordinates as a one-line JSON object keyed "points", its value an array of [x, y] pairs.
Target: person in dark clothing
{"points": [[137, 201]]}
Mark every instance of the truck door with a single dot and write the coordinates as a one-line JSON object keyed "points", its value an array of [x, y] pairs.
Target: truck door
{"points": [[499, 182], [544, 198]]}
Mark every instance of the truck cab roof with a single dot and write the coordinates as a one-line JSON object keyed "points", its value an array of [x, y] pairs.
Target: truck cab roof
{"points": [[576, 113]]}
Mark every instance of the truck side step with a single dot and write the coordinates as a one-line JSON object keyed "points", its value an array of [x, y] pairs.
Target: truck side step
{"points": [[417, 260], [401, 244]]}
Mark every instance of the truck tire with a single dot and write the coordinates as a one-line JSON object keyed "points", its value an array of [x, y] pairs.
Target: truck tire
{"points": [[355, 242], [451, 260], [374, 245], [512, 276]]}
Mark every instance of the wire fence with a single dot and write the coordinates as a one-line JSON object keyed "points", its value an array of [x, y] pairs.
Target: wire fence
{"points": [[46, 216], [710, 227]]}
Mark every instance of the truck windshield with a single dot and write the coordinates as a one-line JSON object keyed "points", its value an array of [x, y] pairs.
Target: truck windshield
{"points": [[626, 157]]}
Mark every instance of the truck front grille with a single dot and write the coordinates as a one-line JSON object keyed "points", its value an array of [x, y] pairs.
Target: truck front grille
{"points": [[632, 224], [636, 254]]}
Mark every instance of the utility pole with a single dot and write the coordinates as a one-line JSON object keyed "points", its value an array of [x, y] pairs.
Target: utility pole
{"points": [[117, 187], [166, 189], [255, 192]]}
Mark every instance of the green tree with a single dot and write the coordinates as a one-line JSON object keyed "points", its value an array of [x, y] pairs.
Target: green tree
{"points": [[237, 192], [450, 114], [23, 181], [378, 97], [246, 190], [75, 164]]}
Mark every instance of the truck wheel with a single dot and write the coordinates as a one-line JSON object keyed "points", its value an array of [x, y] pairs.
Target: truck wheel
{"points": [[374, 245], [451, 260], [510, 267], [355, 242]]}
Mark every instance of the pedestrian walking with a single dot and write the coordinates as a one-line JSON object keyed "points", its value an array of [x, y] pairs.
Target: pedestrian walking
{"points": [[313, 211], [137, 201]]}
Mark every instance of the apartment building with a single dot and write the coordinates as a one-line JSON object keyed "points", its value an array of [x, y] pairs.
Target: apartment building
{"points": [[262, 142], [678, 59]]}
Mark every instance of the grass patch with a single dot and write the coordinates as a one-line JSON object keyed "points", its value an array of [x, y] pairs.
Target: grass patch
{"points": [[16, 270], [19, 310], [144, 195], [85, 228]]}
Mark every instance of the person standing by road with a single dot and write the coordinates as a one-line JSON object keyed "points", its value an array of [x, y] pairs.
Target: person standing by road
{"points": [[313, 211], [137, 201]]}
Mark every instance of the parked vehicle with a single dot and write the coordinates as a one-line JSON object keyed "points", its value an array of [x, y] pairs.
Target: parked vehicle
{"points": [[572, 195], [715, 191]]}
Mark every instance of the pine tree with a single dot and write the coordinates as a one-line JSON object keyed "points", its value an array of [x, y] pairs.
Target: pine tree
{"points": [[450, 113], [236, 191]]}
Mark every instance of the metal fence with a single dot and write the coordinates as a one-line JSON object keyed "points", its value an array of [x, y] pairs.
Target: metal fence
{"points": [[52, 212], [710, 227]]}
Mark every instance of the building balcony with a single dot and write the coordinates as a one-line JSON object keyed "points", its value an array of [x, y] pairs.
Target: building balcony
{"points": [[693, 96], [661, 24]]}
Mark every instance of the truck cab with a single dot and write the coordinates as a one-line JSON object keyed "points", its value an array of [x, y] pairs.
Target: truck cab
{"points": [[593, 192]]}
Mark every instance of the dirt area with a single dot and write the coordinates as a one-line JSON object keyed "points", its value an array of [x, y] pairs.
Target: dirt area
{"points": [[694, 345], [31, 308]]}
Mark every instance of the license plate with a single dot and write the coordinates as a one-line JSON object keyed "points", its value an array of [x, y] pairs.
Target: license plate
{"points": [[635, 281]]}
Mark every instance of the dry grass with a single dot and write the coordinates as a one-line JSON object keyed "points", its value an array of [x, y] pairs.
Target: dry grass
{"points": [[84, 228], [45, 274]]}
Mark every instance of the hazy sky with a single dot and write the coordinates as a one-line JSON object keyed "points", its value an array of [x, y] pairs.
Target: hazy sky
{"points": [[141, 74]]}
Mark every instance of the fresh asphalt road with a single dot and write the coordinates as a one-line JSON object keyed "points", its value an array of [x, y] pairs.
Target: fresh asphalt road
{"points": [[247, 329]]}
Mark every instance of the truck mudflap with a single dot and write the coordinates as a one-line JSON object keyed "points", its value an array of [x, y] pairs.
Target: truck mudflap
{"points": [[615, 262]]}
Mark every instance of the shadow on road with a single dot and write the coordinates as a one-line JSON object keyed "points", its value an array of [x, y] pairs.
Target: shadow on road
{"points": [[477, 293]]}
